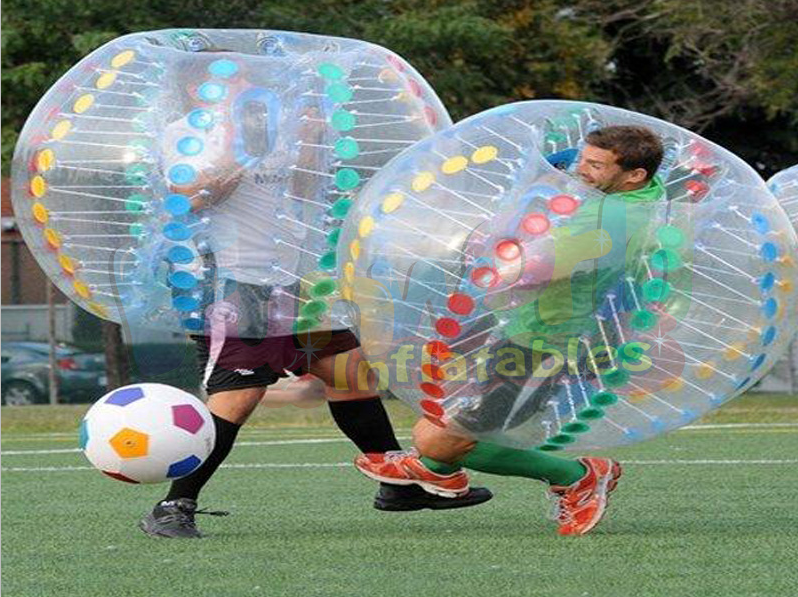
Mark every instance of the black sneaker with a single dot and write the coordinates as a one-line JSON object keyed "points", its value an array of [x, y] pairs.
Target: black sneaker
{"points": [[174, 519], [405, 498]]}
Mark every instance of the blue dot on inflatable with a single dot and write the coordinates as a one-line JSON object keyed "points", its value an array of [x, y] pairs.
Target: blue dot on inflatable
{"points": [[223, 68], [176, 231], [200, 119], [190, 146], [182, 174], [182, 280], [177, 204]]}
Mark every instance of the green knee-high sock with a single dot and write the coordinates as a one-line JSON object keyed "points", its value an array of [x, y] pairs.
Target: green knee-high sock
{"points": [[509, 462]]}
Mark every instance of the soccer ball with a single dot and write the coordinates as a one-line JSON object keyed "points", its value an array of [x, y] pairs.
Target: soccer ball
{"points": [[147, 433]]}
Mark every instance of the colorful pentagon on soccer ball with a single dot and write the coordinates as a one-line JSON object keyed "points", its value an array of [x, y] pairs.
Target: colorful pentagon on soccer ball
{"points": [[186, 417], [129, 443], [183, 467], [125, 396]]}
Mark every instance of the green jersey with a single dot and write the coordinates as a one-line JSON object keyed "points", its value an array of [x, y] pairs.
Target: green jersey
{"points": [[603, 238]]}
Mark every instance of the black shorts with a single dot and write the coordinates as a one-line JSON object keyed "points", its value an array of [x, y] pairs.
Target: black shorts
{"points": [[259, 362]]}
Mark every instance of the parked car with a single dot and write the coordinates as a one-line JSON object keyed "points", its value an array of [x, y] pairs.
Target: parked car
{"points": [[25, 367]]}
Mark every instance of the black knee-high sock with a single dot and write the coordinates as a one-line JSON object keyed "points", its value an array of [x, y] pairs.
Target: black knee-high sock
{"points": [[190, 485], [366, 423]]}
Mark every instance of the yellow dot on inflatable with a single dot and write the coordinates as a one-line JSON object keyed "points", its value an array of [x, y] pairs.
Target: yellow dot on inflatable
{"points": [[392, 202], [40, 213], [734, 352], [83, 103], [423, 181], [674, 384], [67, 264], [638, 395], [81, 288], [347, 294], [354, 249], [98, 309], [61, 129], [404, 96], [44, 160], [787, 260], [387, 75], [38, 186], [366, 226], [122, 58], [105, 80], [705, 370], [349, 272], [53, 238], [484, 154], [454, 165], [785, 286]]}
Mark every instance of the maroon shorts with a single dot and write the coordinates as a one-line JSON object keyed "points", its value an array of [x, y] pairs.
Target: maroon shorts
{"points": [[251, 362]]}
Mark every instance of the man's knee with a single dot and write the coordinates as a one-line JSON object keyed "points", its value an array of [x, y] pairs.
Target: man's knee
{"points": [[438, 443], [235, 405]]}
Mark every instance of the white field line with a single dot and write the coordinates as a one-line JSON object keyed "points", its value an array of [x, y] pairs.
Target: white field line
{"points": [[301, 465], [288, 442]]}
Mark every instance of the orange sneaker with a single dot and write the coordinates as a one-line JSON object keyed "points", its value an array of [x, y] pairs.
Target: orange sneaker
{"points": [[405, 468], [580, 506]]}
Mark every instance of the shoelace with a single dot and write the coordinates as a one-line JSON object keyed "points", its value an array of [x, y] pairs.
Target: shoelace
{"points": [[399, 454], [212, 512], [185, 518]]}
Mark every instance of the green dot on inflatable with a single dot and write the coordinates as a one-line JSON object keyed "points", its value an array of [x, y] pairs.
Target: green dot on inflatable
{"points": [[556, 137], [313, 309], [135, 203], [304, 324], [615, 377], [333, 236], [590, 414], [339, 92], [328, 70], [136, 174], [666, 260], [561, 439], [670, 236], [341, 120], [346, 179], [141, 122], [323, 287], [136, 229], [139, 146], [603, 399], [576, 427], [643, 320], [340, 208], [656, 290], [346, 148], [327, 261], [549, 448], [631, 351]]}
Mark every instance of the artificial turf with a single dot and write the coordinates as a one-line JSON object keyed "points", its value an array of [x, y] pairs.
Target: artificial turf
{"points": [[704, 512]]}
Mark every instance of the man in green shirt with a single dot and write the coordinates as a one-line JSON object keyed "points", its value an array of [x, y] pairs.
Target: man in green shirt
{"points": [[621, 162]]}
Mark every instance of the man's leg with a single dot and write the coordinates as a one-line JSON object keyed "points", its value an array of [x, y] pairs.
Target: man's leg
{"points": [[360, 414], [174, 515]]}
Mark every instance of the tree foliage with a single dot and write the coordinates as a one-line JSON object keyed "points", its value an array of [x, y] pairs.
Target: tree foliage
{"points": [[724, 68]]}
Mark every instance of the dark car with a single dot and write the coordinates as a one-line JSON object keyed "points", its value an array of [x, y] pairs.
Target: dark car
{"points": [[25, 367]]}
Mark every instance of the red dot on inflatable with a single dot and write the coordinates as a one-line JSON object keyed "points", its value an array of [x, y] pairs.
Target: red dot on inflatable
{"points": [[485, 277], [508, 250], [438, 349], [415, 88], [430, 115], [432, 371], [462, 304], [431, 407], [535, 223], [696, 187], [435, 421], [563, 204], [446, 326], [396, 63], [705, 169], [430, 389]]}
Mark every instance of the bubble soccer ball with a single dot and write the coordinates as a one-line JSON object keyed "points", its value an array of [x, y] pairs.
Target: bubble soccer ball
{"points": [[784, 185], [507, 300], [170, 171], [147, 433]]}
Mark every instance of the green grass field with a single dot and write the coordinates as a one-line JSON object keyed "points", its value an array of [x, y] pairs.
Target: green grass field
{"points": [[709, 510]]}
